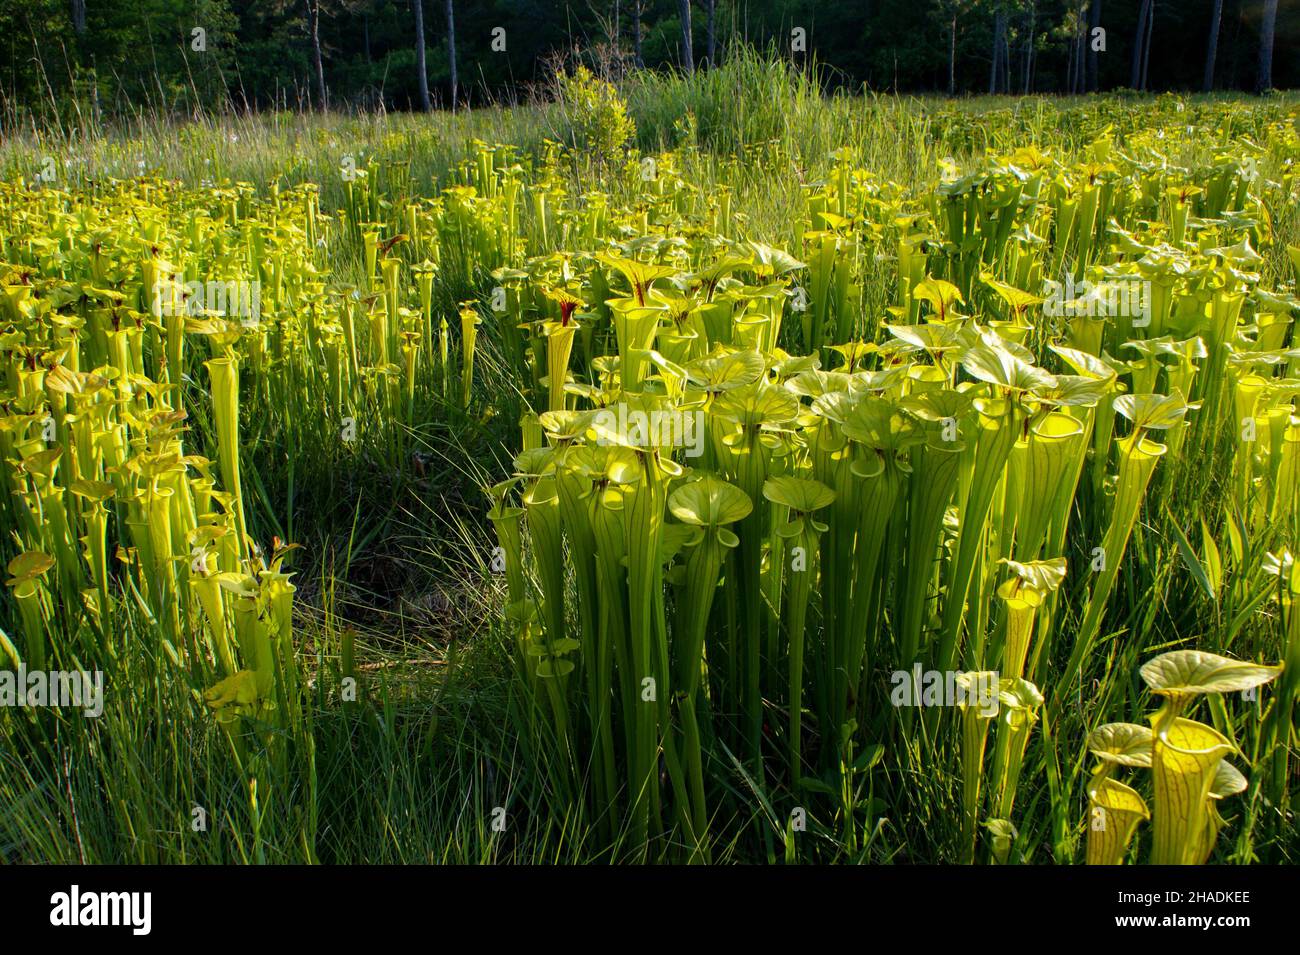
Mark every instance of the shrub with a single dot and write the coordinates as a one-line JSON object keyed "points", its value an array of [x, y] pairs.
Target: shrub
{"points": [[594, 117]]}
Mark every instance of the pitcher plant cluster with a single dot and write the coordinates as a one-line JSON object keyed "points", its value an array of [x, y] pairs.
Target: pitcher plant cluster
{"points": [[751, 479]]}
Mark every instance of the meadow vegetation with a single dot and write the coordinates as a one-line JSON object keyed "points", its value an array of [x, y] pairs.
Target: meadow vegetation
{"points": [[582, 476]]}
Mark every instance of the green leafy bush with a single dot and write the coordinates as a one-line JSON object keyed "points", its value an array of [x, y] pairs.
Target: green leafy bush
{"points": [[594, 116]]}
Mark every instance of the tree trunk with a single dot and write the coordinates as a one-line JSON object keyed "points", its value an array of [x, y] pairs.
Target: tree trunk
{"points": [[79, 16], [688, 55], [993, 63], [1146, 47], [1006, 59], [999, 32], [418, 7], [1267, 27], [1081, 38], [1212, 46], [1139, 37], [636, 34], [952, 56], [1028, 51], [1070, 52], [1029, 44], [1072, 70], [313, 30], [712, 36], [451, 55], [1094, 21]]}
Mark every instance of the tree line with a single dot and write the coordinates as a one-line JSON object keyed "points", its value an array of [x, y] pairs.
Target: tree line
{"points": [[425, 54]]}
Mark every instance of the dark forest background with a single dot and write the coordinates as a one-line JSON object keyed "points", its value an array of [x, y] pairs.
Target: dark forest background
{"points": [[256, 54]]}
